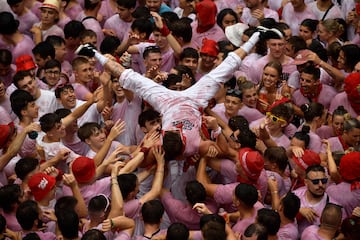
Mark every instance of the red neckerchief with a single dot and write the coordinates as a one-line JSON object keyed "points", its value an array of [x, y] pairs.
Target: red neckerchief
{"points": [[343, 143], [203, 128], [313, 97]]}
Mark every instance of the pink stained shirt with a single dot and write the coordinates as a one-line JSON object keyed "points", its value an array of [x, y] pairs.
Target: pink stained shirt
{"points": [[284, 184], [215, 33], [325, 97], [91, 115], [76, 145], [106, 10], [29, 145], [250, 114], [334, 12], [27, 20], [347, 198], [341, 99], [129, 113], [247, 17], [288, 232], [53, 30], [318, 207], [80, 91], [294, 18], [241, 225], [118, 25], [246, 64], [21, 48], [42, 235], [179, 211], [74, 11], [256, 70], [325, 132], [11, 221], [311, 233], [335, 145], [100, 186], [92, 24], [47, 103]]}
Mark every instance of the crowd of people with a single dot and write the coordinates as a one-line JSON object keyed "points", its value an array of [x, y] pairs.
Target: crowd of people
{"points": [[151, 119]]}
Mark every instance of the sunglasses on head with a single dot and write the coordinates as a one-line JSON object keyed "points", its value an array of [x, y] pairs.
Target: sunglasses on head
{"points": [[317, 181], [234, 93], [274, 118]]}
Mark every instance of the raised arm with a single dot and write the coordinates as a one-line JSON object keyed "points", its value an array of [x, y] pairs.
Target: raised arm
{"points": [[159, 175]]}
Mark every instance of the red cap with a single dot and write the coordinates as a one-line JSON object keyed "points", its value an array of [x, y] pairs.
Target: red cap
{"points": [[24, 63], [41, 184], [6, 131], [251, 162], [83, 169], [301, 57], [350, 166], [352, 86], [309, 158], [209, 47]]}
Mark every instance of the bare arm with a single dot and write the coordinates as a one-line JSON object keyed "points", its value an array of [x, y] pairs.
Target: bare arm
{"points": [[80, 208], [16, 144], [117, 201], [159, 176]]}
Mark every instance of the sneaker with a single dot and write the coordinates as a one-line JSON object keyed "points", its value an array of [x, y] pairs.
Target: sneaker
{"points": [[86, 50]]}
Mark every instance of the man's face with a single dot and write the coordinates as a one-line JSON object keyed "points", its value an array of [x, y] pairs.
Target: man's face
{"points": [[232, 105], [153, 60], [250, 97], [307, 82], [252, 3], [88, 39], [40, 61], [29, 84], [18, 8], [207, 61], [125, 13], [97, 138], [149, 125], [2, 89], [192, 63], [67, 98], [118, 90], [4, 70], [153, 5], [352, 137], [58, 131], [52, 76], [297, 3], [289, 50], [316, 189], [84, 73], [160, 40], [60, 52], [276, 47], [31, 110], [48, 16]]}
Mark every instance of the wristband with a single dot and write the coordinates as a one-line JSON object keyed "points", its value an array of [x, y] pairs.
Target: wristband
{"points": [[112, 223], [165, 30]]}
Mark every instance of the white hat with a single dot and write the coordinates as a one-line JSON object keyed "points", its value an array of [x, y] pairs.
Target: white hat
{"points": [[234, 33], [52, 4]]}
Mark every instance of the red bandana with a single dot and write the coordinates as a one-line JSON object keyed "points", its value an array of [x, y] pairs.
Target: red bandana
{"points": [[313, 97]]}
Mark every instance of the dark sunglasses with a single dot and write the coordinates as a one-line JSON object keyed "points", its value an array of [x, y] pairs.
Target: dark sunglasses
{"points": [[234, 93], [317, 181]]}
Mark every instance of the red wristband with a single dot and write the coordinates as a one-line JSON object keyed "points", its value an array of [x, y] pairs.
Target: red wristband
{"points": [[165, 30]]}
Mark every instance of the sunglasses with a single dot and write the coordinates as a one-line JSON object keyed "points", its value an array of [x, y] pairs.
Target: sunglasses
{"points": [[317, 181], [234, 93], [274, 118]]}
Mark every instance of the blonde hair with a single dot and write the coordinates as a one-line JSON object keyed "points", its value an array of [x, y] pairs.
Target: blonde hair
{"points": [[332, 26]]}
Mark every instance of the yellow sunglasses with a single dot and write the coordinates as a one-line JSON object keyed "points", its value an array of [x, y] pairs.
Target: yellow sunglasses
{"points": [[274, 118]]}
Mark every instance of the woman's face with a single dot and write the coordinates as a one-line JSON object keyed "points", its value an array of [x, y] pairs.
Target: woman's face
{"points": [[324, 35], [341, 60], [228, 20], [305, 33], [338, 124], [270, 77]]}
